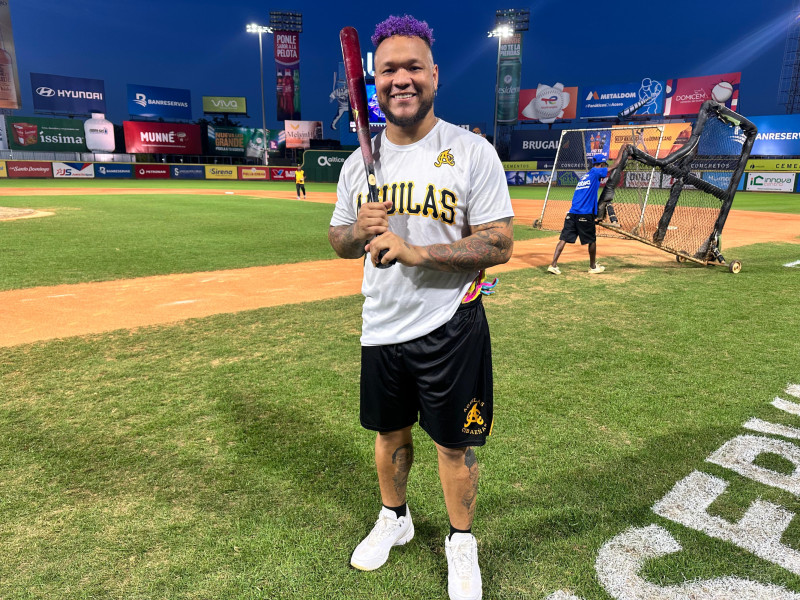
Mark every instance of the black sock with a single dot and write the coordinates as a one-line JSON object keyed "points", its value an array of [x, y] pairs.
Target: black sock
{"points": [[400, 511], [454, 530]]}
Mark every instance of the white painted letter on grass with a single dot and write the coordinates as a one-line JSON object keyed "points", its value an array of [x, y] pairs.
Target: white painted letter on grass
{"points": [[740, 453], [620, 560], [759, 531]]}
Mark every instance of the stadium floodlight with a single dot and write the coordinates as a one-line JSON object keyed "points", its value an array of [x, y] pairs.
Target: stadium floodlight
{"points": [[506, 23], [259, 29], [286, 21]]}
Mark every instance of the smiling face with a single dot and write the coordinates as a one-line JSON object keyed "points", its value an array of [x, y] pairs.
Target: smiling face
{"points": [[406, 81]]}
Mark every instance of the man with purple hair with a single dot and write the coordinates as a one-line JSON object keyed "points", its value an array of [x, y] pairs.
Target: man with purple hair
{"points": [[445, 216]]}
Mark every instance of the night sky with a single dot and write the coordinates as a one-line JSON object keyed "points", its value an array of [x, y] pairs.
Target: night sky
{"points": [[203, 46]]}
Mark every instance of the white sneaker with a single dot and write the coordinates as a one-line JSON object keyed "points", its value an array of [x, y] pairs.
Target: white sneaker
{"points": [[389, 531], [597, 269], [554, 270], [463, 573]]}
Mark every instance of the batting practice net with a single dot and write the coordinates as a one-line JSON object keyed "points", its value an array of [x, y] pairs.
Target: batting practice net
{"points": [[574, 158], [677, 200]]}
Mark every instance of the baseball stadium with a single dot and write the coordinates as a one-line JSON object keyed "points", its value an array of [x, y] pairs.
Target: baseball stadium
{"points": [[180, 345]]}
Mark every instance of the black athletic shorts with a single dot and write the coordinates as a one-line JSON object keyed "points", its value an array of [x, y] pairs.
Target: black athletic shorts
{"points": [[578, 225], [443, 379]]}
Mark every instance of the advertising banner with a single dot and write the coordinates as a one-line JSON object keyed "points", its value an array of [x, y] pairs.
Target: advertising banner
{"points": [[161, 138], [222, 172], [596, 142], [771, 182], [547, 103], [537, 177], [645, 97], [567, 178], [251, 173], [674, 138], [276, 141], [722, 179], [778, 135], [187, 172], [642, 179], [51, 135], [3, 170], [324, 165], [685, 96], [69, 95], [152, 101], [281, 174], [667, 181], [3, 134], [298, 133], [225, 104], [340, 95], [534, 145], [515, 177], [152, 172], [236, 141], [520, 165], [509, 75], [73, 170], [29, 168], [761, 164], [287, 74], [9, 77], [113, 171]]}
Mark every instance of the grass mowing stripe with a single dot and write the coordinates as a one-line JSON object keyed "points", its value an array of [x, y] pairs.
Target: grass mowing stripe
{"points": [[96, 238], [222, 458]]}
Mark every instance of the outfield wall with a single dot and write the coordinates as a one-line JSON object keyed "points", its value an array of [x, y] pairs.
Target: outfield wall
{"points": [[762, 175], [42, 169], [319, 166]]}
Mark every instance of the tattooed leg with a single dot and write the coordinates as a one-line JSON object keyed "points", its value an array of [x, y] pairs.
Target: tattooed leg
{"points": [[458, 472], [394, 455]]}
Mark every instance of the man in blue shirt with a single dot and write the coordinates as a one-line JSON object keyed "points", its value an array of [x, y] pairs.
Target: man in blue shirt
{"points": [[580, 220]]}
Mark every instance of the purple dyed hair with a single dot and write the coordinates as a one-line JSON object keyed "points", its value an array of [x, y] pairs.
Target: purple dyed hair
{"points": [[405, 25]]}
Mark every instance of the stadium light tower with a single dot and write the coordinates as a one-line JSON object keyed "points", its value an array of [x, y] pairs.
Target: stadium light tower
{"points": [[789, 85], [259, 29], [507, 23]]}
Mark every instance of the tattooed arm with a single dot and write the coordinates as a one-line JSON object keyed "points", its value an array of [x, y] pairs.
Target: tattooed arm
{"points": [[348, 241], [488, 244]]}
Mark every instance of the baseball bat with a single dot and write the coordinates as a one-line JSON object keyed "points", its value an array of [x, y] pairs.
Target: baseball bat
{"points": [[354, 73], [634, 107]]}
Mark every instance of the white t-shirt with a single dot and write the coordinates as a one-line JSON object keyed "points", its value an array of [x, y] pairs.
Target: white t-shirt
{"points": [[441, 185]]}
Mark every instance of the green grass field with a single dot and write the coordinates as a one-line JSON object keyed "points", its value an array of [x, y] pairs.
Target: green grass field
{"points": [[222, 457]]}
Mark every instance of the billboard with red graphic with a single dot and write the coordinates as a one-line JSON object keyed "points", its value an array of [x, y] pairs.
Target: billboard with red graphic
{"points": [[685, 96], [548, 103], [281, 173], [161, 138], [152, 171]]}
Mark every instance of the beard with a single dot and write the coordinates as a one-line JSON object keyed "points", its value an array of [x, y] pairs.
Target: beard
{"points": [[425, 106]]}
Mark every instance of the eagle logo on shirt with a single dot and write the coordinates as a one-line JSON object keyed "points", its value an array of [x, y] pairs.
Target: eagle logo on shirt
{"points": [[445, 158]]}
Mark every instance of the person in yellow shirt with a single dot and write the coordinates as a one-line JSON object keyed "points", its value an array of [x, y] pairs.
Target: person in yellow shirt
{"points": [[300, 182]]}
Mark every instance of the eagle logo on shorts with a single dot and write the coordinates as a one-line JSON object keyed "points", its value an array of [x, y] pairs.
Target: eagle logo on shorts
{"points": [[474, 416], [445, 158]]}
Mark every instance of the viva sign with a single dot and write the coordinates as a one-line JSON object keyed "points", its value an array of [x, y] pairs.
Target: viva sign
{"points": [[225, 104]]}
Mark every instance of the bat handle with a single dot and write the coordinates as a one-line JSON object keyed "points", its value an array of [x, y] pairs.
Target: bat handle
{"points": [[382, 265]]}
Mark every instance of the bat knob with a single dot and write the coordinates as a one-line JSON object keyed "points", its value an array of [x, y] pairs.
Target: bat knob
{"points": [[382, 265]]}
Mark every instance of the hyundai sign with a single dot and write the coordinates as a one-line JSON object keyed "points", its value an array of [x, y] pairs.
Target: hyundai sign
{"points": [[167, 103], [69, 95]]}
